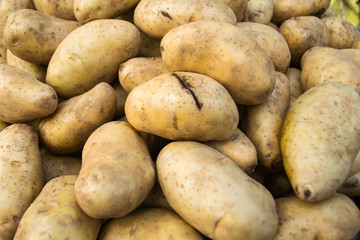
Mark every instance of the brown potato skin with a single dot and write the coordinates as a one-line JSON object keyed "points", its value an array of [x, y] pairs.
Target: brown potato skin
{"points": [[59, 8]]}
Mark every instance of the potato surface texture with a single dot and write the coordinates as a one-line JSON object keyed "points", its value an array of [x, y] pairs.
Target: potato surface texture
{"points": [[259, 11], [213, 194], [320, 139], [223, 52], [59, 8], [182, 105]]}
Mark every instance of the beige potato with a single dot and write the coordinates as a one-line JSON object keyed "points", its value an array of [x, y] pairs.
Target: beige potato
{"points": [[55, 214], [59, 8], [239, 7], [271, 41], [259, 11], [355, 53], [156, 18], [336, 218], [117, 171], [355, 167], [150, 223], [225, 53], [67, 130], [139, 70], [21, 175], [182, 105], [209, 191], [321, 64], [23, 97], [121, 96], [150, 47], [294, 77], [92, 54], [320, 139], [34, 36]]}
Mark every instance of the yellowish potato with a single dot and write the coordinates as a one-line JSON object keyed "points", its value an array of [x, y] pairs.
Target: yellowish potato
{"points": [[355, 53], [55, 214], [76, 66], [117, 171], [225, 53], [150, 47], [239, 7], [156, 198], [259, 11], [59, 8], [294, 77], [356, 44], [21, 175], [3, 125]]}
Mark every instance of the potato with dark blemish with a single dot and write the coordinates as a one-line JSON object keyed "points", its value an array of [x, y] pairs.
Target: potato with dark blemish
{"points": [[67, 130], [182, 106], [320, 139], [259, 11], [209, 191], [117, 171], [34, 36], [59, 8], [21, 175], [55, 214]]}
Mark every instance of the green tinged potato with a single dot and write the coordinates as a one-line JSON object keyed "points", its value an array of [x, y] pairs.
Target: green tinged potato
{"points": [[320, 139], [59, 8], [55, 214]]}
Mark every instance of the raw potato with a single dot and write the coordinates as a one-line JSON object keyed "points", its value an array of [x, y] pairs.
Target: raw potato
{"points": [[55, 214], [150, 223], [278, 184], [34, 36], [356, 44], [209, 191], [59, 8], [355, 53], [23, 97], [239, 7], [271, 41], [294, 77], [75, 67], [355, 167], [67, 130], [259, 11], [351, 186], [330, 12], [225, 53], [158, 17], [121, 96], [156, 198], [117, 171], [150, 47], [3, 125], [182, 106], [20, 173], [320, 139], [337, 218]]}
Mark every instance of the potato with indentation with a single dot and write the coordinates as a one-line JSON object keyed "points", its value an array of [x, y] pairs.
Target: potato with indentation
{"points": [[259, 11], [59, 8]]}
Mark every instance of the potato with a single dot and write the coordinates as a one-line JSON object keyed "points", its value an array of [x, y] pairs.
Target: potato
{"points": [[303, 33], [89, 10], [294, 77], [3, 125], [21, 175], [55, 214], [278, 184], [342, 33], [150, 223], [355, 53], [238, 148], [262, 124], [321, 64], [351, 186], [75, 67], [117, 172], [335, 218], [139, 70], [225, 53], [239, 7], [67, 130], [59, 8], [355, 167], [23, 97], [209, 191], [156, 18], [150, 47], [271, 41], [330, 12], [356, 44], [259, 11], [34, 36], [156, 198], [320, 139], [121, 96], [182, 106]]}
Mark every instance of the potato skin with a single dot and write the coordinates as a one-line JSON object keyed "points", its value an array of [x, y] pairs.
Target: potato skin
{"points": [[239, 7], [259, 11], [59, 8], [23, 97], [217, 49], [55, 213], [21, 175], [117, 171], [294, 77]]}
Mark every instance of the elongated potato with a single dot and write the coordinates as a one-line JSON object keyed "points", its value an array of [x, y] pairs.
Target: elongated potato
{"points": [[117, 172], [55, 214], [320, 139], [23, 97], [213, 194], [259, 11], [59, 8], [225, 53], [21, 175], [75, 67]]}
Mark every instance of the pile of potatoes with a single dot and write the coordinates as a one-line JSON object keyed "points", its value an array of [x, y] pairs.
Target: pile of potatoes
{"points": [[149, 119]]}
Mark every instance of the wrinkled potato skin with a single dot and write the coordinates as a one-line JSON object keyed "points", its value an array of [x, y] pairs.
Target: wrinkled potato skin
{"points": [[75, 67], [239, 7], [23, 97], [259, 11], [59, 8], [209, 191], [156, 18], [55, 213], [335, 218], [67, 129], [294, 77], [117, 171], [150, 223], [34, 36], [271, 41], [217, 49], [21, 175]]}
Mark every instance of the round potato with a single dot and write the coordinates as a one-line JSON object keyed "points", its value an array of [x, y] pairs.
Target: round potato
{"points": [[59, 8], [259, 11]]}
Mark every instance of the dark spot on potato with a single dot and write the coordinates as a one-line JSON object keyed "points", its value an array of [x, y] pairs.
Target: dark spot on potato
{"points": [[165, 14], [352, 184], [307, 193], [186, 85], [16, 219]]}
